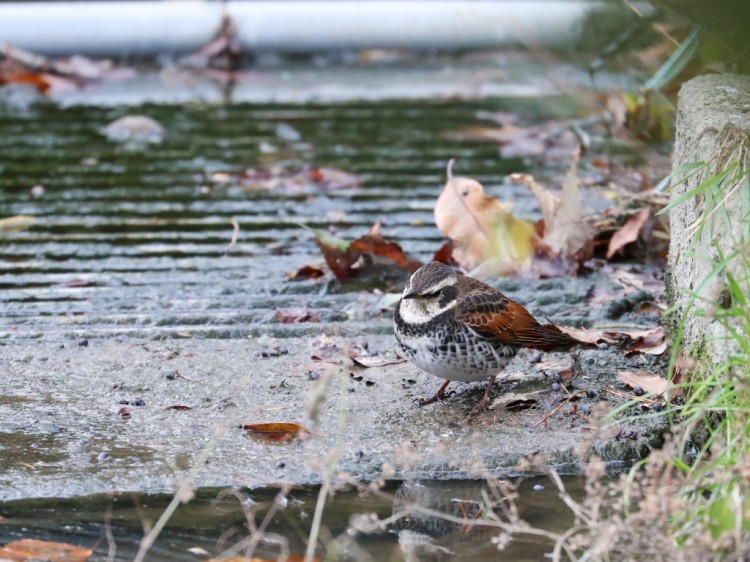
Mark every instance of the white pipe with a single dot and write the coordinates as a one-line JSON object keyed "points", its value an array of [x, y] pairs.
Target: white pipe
{"points": [[295, 25]]}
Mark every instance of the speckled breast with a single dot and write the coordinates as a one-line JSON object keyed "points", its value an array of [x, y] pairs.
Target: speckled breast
{"points": [[451, 351]]}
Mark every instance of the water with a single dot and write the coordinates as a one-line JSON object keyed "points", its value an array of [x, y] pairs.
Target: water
{"points": [[216, 520]]}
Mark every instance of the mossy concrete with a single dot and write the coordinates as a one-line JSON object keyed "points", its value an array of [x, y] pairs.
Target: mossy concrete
{"points": [[63, 432], [713, 124]]}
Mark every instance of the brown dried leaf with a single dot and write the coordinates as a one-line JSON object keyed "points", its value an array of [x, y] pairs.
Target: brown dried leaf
{"points": [[480, 228], [589, 336], [629, 232], [306, 272], [565, 232], [48, 551], [652, 342], [280, 432], [361, 256], [331, 178], [295, 316], [16, 223], [178, 407], [376, 361], [514, 402], [289, 558], [647, 381]]}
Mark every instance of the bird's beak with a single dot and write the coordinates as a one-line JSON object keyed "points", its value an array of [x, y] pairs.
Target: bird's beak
{"points": [[412, 295]]}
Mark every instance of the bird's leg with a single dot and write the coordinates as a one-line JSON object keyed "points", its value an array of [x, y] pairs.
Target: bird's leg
{"points": [[439, 395], [482, 405]]}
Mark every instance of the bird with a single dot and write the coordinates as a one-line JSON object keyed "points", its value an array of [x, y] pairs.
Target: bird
{"points": [[460, 329]]}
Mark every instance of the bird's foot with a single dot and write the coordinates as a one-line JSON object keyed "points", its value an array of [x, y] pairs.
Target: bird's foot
{"points": [[440, 395], [484, 404]]}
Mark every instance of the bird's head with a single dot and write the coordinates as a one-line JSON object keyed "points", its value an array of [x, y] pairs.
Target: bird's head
{"points": [[432, 290]]}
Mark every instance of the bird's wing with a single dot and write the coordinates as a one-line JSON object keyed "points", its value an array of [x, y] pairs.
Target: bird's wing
{"points": [[495, 317]]}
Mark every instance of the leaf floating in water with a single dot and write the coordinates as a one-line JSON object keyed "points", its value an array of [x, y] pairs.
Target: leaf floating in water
{"points": [[49, 551], [280, 432]]}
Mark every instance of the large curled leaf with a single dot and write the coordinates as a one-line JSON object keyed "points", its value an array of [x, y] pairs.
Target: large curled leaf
{"points": [[480, 228]]}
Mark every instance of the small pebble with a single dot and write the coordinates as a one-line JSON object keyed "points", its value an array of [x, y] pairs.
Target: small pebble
{"points": [[592, 393], [124, 402], [603, 346], [280, 464], [586, 409], [556, 387], [137, 402], [591, 360], [658, 407], [264, 354], [538, 487], [273, 353], [103, 456], [83, 343], [284, 351], [171, 376], [313, 375], [556, 376], [536, 359], [358, 453], [638, 391]]}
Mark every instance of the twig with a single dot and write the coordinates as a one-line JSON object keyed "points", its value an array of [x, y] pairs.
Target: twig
{"points": [[108, 532], [548, 415], [235, 236], [631, 396]]}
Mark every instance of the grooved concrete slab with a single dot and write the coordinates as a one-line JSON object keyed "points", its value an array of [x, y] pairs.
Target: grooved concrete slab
{"points": [[62, 432]]}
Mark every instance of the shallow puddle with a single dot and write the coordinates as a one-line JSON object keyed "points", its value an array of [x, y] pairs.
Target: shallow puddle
{"points": [[216, 522]]}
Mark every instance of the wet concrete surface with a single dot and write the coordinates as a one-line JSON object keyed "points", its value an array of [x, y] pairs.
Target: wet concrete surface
{"points": [[79, 419], [123, 280]]}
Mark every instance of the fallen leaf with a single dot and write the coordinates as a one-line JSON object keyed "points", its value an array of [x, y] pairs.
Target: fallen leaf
{"points": [[16, 223], [652, 342], [77, 283], [289, 558], [649, 382], [565, 233], [367, 255], [629, 232], [47, 551], [514, 402], [178, 407], [594, 337], [295, 316], [331, 178], [281, 432], [306, 272], [124, 412], [445, 254], [480, 228], [134, 128], [376, 361], [563, 364]]}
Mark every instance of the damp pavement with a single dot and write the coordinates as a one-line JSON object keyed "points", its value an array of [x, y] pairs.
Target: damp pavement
{"points": [[135, 339]]}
